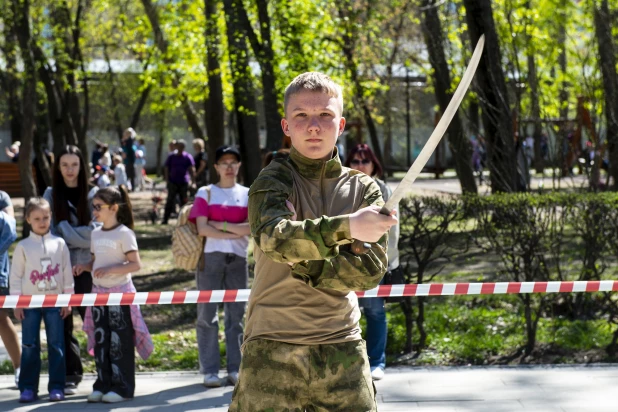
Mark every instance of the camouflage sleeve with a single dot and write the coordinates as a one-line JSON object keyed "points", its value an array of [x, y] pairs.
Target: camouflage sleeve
{"points": [[282, 239], [347, 271]]}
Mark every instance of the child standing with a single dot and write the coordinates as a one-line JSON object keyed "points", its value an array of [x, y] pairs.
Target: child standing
{"points": [[120, 173], [41, 266], [118, 329]]}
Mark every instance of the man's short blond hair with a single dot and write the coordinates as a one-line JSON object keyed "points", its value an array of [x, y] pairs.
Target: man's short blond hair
{"points": [[315, 82]]}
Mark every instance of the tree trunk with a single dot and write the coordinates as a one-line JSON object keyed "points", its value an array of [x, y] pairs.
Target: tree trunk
{"points": [[244, 94], [458, 142], [264, 53], [215, 111], [161, 122], [347, 46], [491, 87], [53, 100], [40, 144], [607, 61], [67, 61], [408, 313], [140, 106], [10, 82], [162, 45], [533, 81], [112, 91], [274, 133], [21, 12]]}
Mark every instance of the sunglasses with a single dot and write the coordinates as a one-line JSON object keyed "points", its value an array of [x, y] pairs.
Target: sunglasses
{"points": [[228, 165], [98, 207], [358, 161]]}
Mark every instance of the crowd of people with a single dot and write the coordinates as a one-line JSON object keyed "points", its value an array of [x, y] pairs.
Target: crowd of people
{"points": [[124, 167], [300, 345]]}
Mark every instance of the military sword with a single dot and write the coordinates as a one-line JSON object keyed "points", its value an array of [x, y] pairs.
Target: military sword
{"points": [[423, 157]]}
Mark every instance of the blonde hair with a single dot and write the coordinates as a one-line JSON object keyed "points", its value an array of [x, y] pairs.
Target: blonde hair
{"points": [[117, 158], [315, 82], [36, 203], [199, 142]]}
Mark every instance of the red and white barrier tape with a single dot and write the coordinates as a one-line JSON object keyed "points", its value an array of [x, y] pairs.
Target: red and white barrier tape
{"points": [[242, 295]]}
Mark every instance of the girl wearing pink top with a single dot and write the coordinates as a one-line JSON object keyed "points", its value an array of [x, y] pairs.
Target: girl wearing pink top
{"points": [[220, 212]]}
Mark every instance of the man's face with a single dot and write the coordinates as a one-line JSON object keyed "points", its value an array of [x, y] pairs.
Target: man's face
{"points": [[313, 121]]}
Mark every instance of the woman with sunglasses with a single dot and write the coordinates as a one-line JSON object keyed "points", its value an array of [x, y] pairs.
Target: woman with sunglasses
{"points": [[362, 158], [70, 200]]}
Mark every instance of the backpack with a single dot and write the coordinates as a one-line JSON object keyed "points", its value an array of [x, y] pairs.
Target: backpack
{"points": [[187, 244]]}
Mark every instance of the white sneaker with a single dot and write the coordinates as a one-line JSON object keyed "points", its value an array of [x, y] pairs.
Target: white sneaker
{"points": [[95, 397], [70, 388], [112, 397], [17, 376], [232, 377], [377, 373], [211, 380]]}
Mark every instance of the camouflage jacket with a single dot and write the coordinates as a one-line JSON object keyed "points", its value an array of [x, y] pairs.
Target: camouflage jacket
{"points": [[317, 243]]}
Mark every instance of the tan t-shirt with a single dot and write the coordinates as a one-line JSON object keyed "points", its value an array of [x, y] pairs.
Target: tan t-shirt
{"points": [[110, 248]]}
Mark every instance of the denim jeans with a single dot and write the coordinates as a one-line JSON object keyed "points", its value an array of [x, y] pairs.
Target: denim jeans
{"points": [[221, 271], [31, 349], [376, 331]]}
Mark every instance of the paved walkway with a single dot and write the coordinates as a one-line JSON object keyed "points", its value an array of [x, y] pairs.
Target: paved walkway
{"points": [[444, 389]]}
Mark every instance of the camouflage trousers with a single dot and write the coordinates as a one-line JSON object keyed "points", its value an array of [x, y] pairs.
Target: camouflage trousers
{"points": [[281, 377]]}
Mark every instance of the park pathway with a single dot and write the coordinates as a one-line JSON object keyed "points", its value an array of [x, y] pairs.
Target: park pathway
{"points": [[574, 388]]}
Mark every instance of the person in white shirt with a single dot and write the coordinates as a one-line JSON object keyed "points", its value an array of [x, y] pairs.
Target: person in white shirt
{"points": [[120, 174], [41, 266]]}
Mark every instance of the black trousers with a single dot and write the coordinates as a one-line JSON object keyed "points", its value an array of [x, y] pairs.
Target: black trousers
{"points": [[114, 350], [173, 190], [83, 284]]}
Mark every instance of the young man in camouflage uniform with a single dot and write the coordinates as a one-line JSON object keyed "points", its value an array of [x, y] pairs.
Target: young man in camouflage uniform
{"points": [[303, 349]]}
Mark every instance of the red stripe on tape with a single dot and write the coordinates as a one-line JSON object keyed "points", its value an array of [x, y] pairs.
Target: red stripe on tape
{"points": [[384, 291], [230, 295], [410, 290], [593, 286], [204, 296], [435, 289], [461, 288], [488, 288], [76, 300], [179, 297], [127, 298], [50, 301], [153, 298], [566, 287], [514, 287], [102, 299], [540, 287], [24, 301]]}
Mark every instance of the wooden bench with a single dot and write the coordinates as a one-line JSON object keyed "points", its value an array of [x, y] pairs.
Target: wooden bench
{"points": [[10, 179]]}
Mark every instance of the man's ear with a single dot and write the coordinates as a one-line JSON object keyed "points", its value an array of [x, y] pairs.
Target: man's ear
{"points": [[341, 125], [285, 126]]}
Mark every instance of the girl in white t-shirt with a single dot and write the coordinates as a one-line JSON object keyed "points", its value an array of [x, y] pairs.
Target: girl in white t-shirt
{"points": [[114, 331]]}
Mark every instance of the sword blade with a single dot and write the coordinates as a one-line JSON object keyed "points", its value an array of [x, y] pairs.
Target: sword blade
{"points": [[438, 132]]}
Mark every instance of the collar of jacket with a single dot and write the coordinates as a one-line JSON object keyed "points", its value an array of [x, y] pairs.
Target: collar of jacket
{"points": [[312, 168], [39, 237]]}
